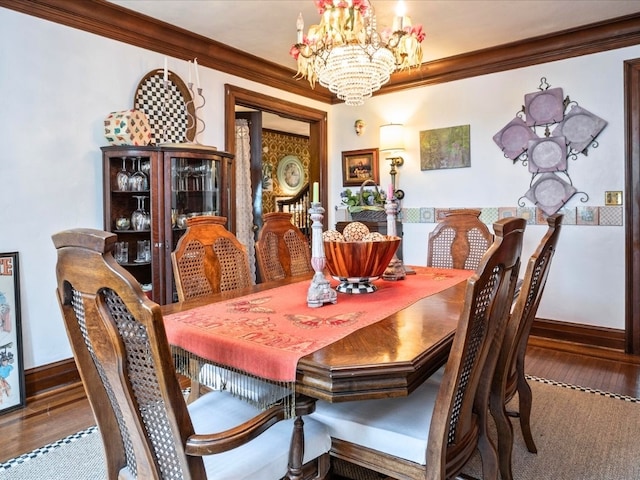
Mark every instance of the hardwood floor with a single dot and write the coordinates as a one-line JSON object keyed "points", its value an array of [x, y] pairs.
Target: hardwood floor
{"points": [[52, 416]]}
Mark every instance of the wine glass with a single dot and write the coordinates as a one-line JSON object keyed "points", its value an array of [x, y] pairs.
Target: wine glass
{"points": [[139, 182], [123, 177], [140, 219]]}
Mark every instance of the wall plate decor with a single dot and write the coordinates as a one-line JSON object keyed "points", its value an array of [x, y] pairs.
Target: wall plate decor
{"points": [[545, 107], [580, 127], [574, 133], [170, 111], [514, 138], [290, 174], [550, 193], [547, 154]]}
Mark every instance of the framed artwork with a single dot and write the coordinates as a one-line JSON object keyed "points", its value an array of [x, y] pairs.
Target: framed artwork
{"points": [[445, 148], [359, 166], [12, 390], [290, 174]]}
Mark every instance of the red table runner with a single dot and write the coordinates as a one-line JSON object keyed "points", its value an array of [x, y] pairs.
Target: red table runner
{"points": [[266, 333]]}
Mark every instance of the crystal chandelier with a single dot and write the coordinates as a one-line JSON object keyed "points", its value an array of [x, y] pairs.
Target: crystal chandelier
{"points": [[346, 54]]}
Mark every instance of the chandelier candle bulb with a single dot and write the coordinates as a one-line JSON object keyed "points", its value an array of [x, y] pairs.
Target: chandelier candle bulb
{"points": [[316, 192], [190, 65], [299, 27]]}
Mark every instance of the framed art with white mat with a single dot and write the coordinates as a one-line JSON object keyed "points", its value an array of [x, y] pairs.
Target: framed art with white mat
{"points": [[12, 390]]}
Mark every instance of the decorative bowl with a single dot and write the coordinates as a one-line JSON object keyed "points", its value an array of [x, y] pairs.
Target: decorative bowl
{"points": [[357, 264]]}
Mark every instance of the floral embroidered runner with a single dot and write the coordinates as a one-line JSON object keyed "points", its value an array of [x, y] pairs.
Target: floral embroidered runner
{"points": [[266, 333]]}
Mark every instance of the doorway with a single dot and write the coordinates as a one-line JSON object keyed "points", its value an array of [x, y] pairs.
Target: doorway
{"points": [[317, 120]]}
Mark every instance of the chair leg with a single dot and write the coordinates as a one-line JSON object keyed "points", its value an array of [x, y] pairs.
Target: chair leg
{"points": [[296, 451], [505, 436], [525, 401], [487, 453]]}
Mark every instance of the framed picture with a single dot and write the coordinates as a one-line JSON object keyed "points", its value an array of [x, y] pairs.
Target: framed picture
{"points": [[290, 174], [12, 391], [359, 166], [445, 148]]}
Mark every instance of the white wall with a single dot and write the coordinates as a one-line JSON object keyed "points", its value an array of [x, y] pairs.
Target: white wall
{"points": [[586, 283], [58, 84]]}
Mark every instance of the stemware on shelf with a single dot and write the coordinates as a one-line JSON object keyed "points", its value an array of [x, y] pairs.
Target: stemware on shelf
{"points": [[123, 177], [140, 219], [138, 182]]}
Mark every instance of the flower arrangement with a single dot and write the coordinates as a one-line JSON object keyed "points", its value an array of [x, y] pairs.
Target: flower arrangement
{"points": [[371, 200]]}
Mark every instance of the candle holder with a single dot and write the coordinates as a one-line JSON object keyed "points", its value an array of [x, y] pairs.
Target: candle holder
{"points": [[165, 101], [320, 291], [395, 270], [193, 120]]}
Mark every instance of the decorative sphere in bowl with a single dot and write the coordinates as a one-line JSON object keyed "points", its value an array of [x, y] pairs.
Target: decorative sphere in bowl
{"points": [[357, 264]]}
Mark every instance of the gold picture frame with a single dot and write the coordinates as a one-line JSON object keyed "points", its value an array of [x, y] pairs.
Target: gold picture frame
{"points": [[358, 166]]}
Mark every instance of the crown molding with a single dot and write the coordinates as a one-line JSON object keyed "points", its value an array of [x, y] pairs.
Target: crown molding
{"points": [[115, 22]]}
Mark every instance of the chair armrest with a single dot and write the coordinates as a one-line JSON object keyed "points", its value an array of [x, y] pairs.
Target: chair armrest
{"points": [[208, 444]]}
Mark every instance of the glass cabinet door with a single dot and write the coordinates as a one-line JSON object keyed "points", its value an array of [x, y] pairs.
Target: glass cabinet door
{"points": [[194, 189]]}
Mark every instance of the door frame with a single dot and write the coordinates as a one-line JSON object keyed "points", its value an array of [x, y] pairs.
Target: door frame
{"points": [[317, 120], [632, 205]]}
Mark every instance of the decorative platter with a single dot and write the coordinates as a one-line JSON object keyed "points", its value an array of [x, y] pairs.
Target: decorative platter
{"points": [[290, 174], [514, 138], [547, 155], [550, 193], [580, 127], [545, 107], [171, 113]]}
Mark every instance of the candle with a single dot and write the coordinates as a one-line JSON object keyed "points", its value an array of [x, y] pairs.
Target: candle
{"points": [[316, 193], [195, 67], [390, 192], [166, 71], [190, 66], [299, 27]]}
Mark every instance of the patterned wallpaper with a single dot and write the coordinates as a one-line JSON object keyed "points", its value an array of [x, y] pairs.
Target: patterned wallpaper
{"points": [[275, 146]]}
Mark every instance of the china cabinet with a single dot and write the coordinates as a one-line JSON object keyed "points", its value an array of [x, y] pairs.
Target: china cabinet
{"points": [[149, 192]]}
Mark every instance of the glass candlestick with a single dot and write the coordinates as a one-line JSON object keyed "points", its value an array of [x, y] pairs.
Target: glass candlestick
{"points": [[320, 291], [395, 270]]}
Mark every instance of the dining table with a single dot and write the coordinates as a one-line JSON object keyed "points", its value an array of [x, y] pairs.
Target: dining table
{"points": [[366, 346]]}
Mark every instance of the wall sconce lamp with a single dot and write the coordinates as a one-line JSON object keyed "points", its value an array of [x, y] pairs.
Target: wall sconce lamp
{"points": [[392, 142]]}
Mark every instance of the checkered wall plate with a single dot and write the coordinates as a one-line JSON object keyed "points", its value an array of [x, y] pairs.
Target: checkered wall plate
{"points": [[170, 112]]}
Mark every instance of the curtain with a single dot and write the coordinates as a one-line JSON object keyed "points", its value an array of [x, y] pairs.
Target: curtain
{"points": [[244, 203]]}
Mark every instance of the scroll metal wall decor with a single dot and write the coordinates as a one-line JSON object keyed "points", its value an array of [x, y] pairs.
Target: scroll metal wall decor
{"points": [[568, 130]]}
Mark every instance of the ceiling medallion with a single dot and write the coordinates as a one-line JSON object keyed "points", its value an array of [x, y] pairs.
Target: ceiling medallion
{"points": [[546, 155]]}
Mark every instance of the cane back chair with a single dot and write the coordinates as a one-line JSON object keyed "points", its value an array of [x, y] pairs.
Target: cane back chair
{"points": [[459, 240], [209, 259], [509, 375], [282, 250], [121, 350], [434, 431]]}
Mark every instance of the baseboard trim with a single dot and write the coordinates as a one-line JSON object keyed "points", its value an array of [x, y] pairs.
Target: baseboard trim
{"points": [[40, 380], [585, 339], [588, 335]]}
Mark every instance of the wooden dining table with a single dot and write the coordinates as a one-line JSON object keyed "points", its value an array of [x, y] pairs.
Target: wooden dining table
{"points": [[388, 358]]}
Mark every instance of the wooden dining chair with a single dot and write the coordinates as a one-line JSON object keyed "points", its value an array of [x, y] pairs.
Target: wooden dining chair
{"points": [[282, 250], [509, 375], [459, 240], [434, 431], [119, 343], [208, 258]]}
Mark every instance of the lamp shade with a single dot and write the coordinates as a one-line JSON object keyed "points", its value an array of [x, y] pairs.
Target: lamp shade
{"points": [[391, 137]]}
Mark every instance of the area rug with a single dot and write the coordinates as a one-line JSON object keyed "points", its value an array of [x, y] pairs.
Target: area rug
{"points": [[580, 434]]}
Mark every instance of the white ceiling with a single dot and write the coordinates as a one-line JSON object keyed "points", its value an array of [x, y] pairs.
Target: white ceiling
{"points": [[267, 29]]}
